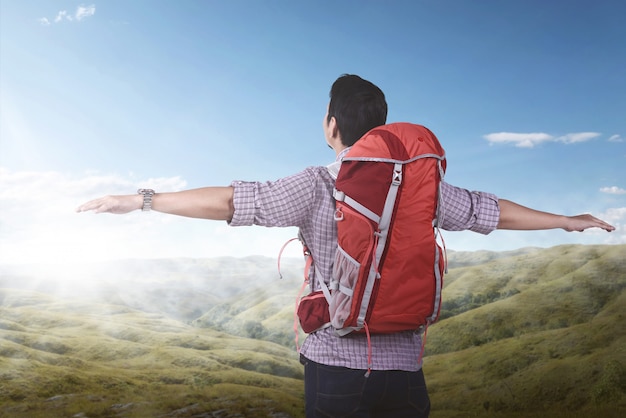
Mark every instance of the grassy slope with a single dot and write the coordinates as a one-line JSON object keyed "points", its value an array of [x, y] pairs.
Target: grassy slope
{"points": [[61, 359], [556, 347], [537, 333]]}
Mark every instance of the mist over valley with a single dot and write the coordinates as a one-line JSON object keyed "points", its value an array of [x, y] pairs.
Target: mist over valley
{"points": [[532, 332]]}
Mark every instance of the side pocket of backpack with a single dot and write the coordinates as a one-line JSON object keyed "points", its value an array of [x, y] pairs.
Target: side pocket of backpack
{"points": [[313, 312], [355, 238]]}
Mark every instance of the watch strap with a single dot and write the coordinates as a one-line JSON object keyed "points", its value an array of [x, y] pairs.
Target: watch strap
{"points": [[147, 198]]}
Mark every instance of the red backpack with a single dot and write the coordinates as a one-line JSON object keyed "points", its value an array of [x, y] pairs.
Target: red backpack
{"points": [[388, 271]]}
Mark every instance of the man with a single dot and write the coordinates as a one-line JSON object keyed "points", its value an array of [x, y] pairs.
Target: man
{"points": [[335, 381]]}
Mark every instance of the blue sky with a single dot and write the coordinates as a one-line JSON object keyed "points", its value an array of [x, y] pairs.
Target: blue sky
{"points": [[527, 97]]}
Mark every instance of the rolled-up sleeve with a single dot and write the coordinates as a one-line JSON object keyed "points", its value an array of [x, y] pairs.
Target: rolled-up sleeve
{"points": [[243, 201], [462, 210], [279, 203]]}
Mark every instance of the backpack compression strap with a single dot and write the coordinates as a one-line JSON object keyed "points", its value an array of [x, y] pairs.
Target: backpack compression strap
{"points": [[383, 222]]}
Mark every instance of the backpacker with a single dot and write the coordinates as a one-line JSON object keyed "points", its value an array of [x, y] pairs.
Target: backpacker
{"points": [[388, 270]]}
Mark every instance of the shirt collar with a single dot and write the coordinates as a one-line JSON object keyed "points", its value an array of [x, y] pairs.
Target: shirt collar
{"points": [[333, 168], [342, 154]]}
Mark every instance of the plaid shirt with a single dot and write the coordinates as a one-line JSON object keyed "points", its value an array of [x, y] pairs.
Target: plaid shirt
{"points": [[305, 200]]}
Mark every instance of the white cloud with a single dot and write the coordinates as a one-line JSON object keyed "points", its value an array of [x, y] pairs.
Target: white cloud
{"points": [[61, 16], [529, 140], [38, 223], [81, 13], [85, 11], [616, 138], [577, 137], [617, 218], [522, 140], [613, 190]]}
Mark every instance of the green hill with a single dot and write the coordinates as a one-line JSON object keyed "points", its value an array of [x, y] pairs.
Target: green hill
{"points": [[542, 333], [526, 333], [60, 359]]}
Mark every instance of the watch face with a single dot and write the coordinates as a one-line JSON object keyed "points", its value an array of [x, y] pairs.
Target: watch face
{"points": [[145, 192]]}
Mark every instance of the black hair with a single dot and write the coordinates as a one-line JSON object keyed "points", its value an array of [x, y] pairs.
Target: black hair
{"points": [[357, 105]]}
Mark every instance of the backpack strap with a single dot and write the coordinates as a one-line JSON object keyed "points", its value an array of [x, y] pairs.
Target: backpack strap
{"points": [[440, 251], [307, 274], [381, 240], [390, 202], [333, 169], [439, 215], [341, 197]]}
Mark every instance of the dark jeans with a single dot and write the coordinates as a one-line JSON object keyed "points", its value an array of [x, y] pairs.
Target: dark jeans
{"points": [[340, 392]]}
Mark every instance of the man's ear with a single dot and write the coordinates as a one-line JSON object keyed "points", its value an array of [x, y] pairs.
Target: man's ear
{"points": [[332, 127]]}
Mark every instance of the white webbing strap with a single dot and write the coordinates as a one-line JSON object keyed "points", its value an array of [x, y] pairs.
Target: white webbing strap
{"points": [[346, 290], [390, 203], [323, 286], [382, 233], [342, 197], [438, 286], [440, 212], [438, 250]]}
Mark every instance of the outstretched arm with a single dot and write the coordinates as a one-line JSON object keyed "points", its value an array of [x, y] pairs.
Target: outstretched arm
{"points": [[206, 203], [517, 217]]}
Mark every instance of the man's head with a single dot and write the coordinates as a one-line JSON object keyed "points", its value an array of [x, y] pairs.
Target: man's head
{"points": [[357, 106]]}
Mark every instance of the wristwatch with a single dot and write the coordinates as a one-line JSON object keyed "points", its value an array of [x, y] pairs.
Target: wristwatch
{"points": [[147, 198]]}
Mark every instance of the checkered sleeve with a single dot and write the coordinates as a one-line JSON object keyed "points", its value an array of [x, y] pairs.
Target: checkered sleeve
{"points": [[468, 210], [279, 203]]}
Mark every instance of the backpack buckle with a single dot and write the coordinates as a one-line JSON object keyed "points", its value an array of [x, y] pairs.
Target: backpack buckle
{"points": [[397, 175]]}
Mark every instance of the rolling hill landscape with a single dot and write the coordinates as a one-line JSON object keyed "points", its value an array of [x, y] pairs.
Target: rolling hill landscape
{"points": [[528, 333]]}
